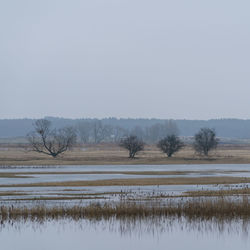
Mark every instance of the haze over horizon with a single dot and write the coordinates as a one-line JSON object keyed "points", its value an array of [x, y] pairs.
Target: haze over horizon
{"points": [[116, 58], [124, 118]]}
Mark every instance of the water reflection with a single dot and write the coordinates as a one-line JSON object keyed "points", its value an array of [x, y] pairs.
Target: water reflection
{"points": [[135, 226], [149, 233]]}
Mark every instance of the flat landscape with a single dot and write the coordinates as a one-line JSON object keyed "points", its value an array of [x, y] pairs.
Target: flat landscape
{"points": [[104, 172], [109, 154], [98, 187], [124, 125]]}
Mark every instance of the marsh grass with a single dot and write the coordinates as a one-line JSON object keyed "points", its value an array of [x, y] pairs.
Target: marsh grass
{"points": [[28, 173], [70, 198], [219, 193], [13, 175], [220, 208], [141, 182], [10, 193]]}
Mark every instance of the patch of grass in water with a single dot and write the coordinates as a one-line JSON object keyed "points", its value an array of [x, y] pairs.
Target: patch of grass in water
{"points": [[220, 208], [141, 182]]}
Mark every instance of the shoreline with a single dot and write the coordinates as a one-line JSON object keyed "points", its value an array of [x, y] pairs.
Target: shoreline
{"points": [[134, 162]]}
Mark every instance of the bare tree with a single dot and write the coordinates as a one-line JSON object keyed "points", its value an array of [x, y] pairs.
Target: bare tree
{"points": [[118, 133], [133, 144], [205, 140], [170, 145], [84, 130], [100, 131], [51, 142], [138, 131], [157, 131], [154, 132]]}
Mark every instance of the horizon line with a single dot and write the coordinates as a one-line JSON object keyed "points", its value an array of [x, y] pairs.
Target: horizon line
{"points": [[122, 118]]}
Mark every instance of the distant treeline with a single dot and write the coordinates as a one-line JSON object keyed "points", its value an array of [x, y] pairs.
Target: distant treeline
{"points": [[111, 129]]}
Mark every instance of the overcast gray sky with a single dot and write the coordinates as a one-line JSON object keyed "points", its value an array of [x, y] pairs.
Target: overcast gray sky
{"points": [[125, 58]]}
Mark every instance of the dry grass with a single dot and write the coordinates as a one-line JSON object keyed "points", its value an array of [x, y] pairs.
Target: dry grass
{"points": [[20, 174], [140, 182], [111, 154], [9, 193], [48, 198], [13, 175], [60, 196], [220, 193], [203, 209], [92, 194]]}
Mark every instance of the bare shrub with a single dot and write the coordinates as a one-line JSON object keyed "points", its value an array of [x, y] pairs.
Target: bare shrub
{"points": [[133, 144], [170, 145], [205, 140]]}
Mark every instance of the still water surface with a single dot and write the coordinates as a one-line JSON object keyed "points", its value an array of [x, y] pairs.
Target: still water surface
{"points": [[43, 174], [133, 235]]}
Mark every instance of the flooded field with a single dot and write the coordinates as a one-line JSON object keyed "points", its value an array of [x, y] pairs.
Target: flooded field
{"points": [[73, 184], [116, 234], [125, 207]]}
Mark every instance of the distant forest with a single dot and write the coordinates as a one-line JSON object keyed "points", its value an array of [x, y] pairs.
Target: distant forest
{"points": [[149, 129]]}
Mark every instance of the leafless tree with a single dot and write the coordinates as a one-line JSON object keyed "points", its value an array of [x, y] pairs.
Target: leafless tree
{"points": [[138, 131], [159, 130], [100, 131], [84, 130], [51, 142], [133, 144], [170, 145], [118, 133], [205, 140]]}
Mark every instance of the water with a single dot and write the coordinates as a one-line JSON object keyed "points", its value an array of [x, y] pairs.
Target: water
{"points": [[114, 234], [148, 234], [175, 167], [40, 174]]}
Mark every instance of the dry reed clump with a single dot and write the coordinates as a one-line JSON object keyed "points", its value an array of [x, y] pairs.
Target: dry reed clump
{"points": [[221, 208]]}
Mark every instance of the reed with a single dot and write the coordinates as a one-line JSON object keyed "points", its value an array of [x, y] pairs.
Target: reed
{"points": [[220, 208]]}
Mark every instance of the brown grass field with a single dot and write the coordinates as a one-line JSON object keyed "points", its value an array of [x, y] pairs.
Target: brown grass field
{"points": [[114, 155]]}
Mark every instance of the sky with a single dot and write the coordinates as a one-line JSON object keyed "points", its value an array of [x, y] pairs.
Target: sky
{"points": [[125, 58]]}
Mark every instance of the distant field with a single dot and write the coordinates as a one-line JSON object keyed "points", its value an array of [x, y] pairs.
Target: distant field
{"points": [[12, 154]]}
